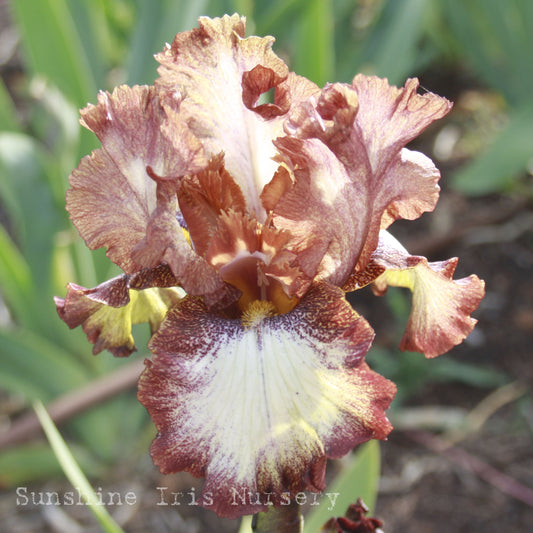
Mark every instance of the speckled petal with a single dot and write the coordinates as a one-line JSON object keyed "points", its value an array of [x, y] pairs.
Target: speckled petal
{"points": [[220, 75], [441, 308], [112, 194], [347, 147], [258, 409], [107, 312]]}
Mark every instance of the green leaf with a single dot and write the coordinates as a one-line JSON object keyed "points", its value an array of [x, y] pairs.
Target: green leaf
{"points": [[496, 38], [36, 367], [53, 48], [35, 462], [497, 169], [392, 48], [28, 201], [448, 370], [158, 22], [57, 123], [314, 54], [359, 479], [16, 284], [8, 113], [73, 471]]}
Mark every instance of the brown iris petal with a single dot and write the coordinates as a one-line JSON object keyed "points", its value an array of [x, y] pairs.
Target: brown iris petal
{"points": [[360, 279], [276, 188], [112, 197], [440, 315], [350, 142], [259, 407], [203, 197], [165, 242], [260, 80], [255, 259], [282, 266], [354, 521], [207, 65]]}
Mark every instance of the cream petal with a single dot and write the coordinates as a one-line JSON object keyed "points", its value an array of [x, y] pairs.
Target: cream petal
{"points": [[220, 74], [258, 409], [441, 307]]}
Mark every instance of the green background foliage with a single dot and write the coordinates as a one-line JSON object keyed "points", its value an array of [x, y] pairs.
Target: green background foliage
{"points": [[72, 49]]}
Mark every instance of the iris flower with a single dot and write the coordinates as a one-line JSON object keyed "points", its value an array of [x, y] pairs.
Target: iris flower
{"points": [[240, 224]]}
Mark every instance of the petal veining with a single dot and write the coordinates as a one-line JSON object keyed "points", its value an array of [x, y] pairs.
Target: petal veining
{"points": [[129, 124], [258, 407], [440, 315], [219, 74]]}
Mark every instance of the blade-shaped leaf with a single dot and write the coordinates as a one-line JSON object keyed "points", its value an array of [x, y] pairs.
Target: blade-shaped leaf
{"points": [[73, 471], [505, 159], [8, 114], [53, 47], [314, 55], [359, 479]]}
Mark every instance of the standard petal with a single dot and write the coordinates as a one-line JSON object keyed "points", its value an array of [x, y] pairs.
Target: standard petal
{"points": [[220, 75], [258, 408], [389, 117], [112, 195], [107, 312], [370, 178], [441, 308]]}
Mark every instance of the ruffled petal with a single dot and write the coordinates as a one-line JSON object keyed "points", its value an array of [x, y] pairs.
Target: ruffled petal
{"points": [[350, 158], [112, 195], [254, 259], [107, 312], [220, 75], [203, 197], [166, 242], [256, 409], [440, 315]]}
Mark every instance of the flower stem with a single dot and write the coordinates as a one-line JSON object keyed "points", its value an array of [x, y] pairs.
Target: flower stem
{"points": [[286, 519]]}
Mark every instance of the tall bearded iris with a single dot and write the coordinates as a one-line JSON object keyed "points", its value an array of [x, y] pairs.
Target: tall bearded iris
{"points": [[240, 226]]}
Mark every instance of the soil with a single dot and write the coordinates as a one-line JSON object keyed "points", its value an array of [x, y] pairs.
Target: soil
{"points": [[422, 490], [480, 484], [446, 494]]}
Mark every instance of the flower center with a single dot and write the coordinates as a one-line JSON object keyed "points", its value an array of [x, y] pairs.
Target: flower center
{"points": [[256, 312]]}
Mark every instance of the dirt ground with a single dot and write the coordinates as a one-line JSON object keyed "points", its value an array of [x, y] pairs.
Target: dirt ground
{"points": [[481, 485], [483, 482], [428, 492]]}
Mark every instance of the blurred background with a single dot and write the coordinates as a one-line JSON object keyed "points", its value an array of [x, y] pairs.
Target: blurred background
{"points": [[461, 456]]}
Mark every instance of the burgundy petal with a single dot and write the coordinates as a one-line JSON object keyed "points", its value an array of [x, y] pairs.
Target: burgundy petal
{"points": [[258, 407]]}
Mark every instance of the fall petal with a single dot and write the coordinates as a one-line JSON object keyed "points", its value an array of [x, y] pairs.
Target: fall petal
{"points": [[220, 75], [260, 407], [441, 307], [107, 312], [129, 123]]}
